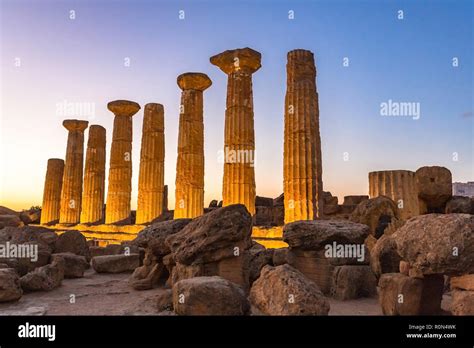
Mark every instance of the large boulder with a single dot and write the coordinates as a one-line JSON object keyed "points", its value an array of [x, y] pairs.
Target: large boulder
{"points": [[153, 237], [31, 216], [283, 290], [209, 296], [258, 259], [316, 234], [74, 265], [115, 263], [73, 242], [384, 257], [351, 282], [402, 295], [435, 187], [438, 243], [463, 302], [460, 205], [44, 278], [10, 289], [7, 211], [213, 236], [11, 221], [377, 213]]}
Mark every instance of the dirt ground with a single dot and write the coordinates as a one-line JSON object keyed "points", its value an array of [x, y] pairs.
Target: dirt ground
{"points": [[110, 294]]}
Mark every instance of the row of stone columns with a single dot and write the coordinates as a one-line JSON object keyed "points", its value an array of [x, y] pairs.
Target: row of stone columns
{"points": [[302, 154]]}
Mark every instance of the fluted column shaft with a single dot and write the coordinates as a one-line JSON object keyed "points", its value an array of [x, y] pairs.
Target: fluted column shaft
{"points": [[52, 191], [71, 193], [400, 186], [94, 176], [302, 168], [152, 165], [189, 196], [120, 170]]}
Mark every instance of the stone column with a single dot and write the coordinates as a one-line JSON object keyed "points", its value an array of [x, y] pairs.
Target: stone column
{"points": [[52, 191], [189, 197], [71, 192], [302, 161], [94, 177], [120, 172], [152, 165], [400, 186], [239, 137]]}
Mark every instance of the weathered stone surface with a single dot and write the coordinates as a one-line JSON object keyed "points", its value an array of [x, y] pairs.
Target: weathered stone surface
{"points": [[10, 289], [44, 278], [94, 176], [7, 211], [403, 295], [147, 276], [463, 302], [460, 205], [398, 185], [73, 242], [209, 296], [302, 161], [115, 263], [164, 301], [154, 236], [71, 190], [239, 136], [434, 186], [189, 197], [315, 234], [283, 290], [377, 213], [74, 265], [464, 282], [384, 257], [280, 256], [120, 171], [263, 201], [213, 236], [11, 221], [31, 216], [151, 180], [259, 259], [351, 282], [354, 199], [213, 204], [263, 216], [438, 243]]}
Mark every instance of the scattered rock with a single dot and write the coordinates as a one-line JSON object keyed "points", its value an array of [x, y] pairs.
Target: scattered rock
{"points": [[351, 282], [315, 234], [73, 242], [280, 256], [74, 265], [464, 282], [10, 289], [460, 205], [377, 213], [283, 290], [213, 204], [44, 278], [164, 301], [11, 221], [354, 200], [435, 187], [115, 263], [213, 236], [463, 302], [384, 257], [438, 243], [209, 296], [258, 259]]}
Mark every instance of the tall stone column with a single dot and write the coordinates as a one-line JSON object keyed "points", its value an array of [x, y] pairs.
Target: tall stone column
{"points": [[151, 178], [94, 177], [52, 191], [119, 192], [71, 192], [239, 136], [302, 161], [189, 195], [400, 186]]}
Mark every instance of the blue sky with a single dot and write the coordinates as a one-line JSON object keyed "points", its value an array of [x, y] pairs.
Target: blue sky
{"points": [[82, 60]]}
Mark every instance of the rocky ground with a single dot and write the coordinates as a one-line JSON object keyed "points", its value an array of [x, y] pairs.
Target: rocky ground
{"points": [[110, 294]]}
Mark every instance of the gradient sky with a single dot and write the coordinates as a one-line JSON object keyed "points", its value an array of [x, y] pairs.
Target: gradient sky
{"points": [[82, 60]]}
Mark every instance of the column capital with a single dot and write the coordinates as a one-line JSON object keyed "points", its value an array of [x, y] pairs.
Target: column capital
{"points": [[302, 62], [123, 107], [75, 125], [240, 59], [194, 80]]}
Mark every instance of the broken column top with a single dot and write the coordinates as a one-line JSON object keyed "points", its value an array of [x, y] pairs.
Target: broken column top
{"points": [[194, 80], [77, 125], [96, 135], [302, 61], [57, 161], [245, 59], [153, 119], [123, 107]]}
